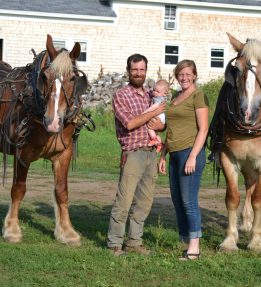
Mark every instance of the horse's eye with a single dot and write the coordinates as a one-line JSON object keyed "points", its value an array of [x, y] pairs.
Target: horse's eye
{"points": [[72, 79]]}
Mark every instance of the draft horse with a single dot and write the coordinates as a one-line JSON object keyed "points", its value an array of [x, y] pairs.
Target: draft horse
{"points": [[40, 105], [235, 134]]}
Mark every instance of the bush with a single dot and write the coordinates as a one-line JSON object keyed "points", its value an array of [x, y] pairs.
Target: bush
{"points": [[211, 89]]}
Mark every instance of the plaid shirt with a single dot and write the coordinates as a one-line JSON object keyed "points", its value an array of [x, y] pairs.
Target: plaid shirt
{"points": [[128, 103]]}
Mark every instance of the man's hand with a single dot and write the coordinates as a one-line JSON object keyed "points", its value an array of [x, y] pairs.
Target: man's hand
{"points": [[156, 124], [142, 119]]}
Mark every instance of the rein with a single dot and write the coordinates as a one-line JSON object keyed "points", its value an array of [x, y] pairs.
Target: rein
{"points": [[75, 102]]}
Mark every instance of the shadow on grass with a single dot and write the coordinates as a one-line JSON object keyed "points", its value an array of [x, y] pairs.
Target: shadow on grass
{"points": [[27, 215], [3, 211], [163, 216], [91, 220]]}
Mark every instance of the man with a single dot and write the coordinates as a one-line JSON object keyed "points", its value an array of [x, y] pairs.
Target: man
{"points": [[138, 161]]}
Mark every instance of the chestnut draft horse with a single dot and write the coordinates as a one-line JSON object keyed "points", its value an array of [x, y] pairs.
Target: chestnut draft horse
{"points": [[40, 111], [235, 133]]}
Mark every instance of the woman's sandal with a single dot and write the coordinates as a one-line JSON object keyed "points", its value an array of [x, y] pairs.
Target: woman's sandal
{"points": [[189, 256]]}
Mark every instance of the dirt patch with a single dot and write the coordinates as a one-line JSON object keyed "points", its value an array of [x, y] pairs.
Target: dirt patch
{"points": [[41, 188]]}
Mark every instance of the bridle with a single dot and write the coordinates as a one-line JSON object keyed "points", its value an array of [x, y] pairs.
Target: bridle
{"points": [[226, 117], [231, 113], [250, 68], [27, 104], [73, 103]]}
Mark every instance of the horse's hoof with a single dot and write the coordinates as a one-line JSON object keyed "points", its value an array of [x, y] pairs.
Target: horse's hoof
{"points": [[70, 242], [226, 249], [12, 234], [255, 246], [71, 238], [74, 243], [12, 239]]}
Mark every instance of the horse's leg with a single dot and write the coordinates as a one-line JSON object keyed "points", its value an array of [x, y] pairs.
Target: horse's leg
{"points": [[11, 229], [232, 203], [247, 212], [64, 231], [255, 242]]}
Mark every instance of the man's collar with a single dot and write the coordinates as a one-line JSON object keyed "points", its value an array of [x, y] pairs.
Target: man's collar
{"points": [[141, 91]]}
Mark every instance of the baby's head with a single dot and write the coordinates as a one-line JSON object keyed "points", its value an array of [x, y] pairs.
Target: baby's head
{"points": [[161, 88]]}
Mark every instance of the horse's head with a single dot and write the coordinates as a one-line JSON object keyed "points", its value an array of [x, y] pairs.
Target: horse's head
{"points": [[61, 86], [248, 78]]}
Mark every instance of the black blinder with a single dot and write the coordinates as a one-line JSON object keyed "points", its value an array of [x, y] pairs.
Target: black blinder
{"points": [[81, 85], [41, 80]]}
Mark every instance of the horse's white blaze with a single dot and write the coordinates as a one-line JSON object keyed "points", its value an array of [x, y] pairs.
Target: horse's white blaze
{"points": [[57, 98], [250, 89], [54, 126]]}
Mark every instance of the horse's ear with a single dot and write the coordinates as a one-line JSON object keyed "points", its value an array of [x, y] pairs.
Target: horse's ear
{"points": [[237, 45], [76, 51], [50, 48]]}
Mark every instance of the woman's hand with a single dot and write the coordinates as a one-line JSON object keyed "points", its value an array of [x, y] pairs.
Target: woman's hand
{"points": [[162, 165], [190, 165]]}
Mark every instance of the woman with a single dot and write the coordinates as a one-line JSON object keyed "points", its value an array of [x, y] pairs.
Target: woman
{"points": [[187, 120]]}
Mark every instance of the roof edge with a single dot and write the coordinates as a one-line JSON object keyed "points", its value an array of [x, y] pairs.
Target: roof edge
{"points": [[198, 4], [57, 15]]}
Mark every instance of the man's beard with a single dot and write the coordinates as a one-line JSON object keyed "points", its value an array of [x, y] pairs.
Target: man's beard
{"points": [[137, 82]]}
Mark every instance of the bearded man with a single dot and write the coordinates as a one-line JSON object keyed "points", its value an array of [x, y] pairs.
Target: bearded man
{"points": [[138, 170]]}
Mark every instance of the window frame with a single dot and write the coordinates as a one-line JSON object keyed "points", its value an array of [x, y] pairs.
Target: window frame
{"points": [[87, 61], [211, 49], [87, 51], [164, 54], [58, 46], [169, 19]]}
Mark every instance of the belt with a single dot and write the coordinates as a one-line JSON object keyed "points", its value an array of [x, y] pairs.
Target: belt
{"points": [[145, 148]]}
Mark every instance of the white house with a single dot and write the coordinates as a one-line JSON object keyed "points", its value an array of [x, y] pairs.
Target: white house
{"points": [[109, 31]]}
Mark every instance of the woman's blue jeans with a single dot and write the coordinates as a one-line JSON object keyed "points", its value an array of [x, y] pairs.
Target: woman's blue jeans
{"points": [[184, 193]]}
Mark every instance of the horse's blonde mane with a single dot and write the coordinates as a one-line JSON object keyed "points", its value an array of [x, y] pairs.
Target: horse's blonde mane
{"points": [[62, 64], [252, 49]]}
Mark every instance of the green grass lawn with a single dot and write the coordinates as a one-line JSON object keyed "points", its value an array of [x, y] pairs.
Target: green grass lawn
{"points": [[40, 261]]}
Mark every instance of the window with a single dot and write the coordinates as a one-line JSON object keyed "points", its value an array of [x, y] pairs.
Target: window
{"points": [[170, 17], [58, 45], [217, 58], [83, 55], [171, 55], [62, 44]]}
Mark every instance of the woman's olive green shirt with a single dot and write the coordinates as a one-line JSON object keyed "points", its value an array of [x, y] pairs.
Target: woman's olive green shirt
{"points": [[182, 126]]}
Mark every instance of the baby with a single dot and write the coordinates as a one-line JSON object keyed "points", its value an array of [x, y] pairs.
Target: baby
{"points": [[160, 92]]}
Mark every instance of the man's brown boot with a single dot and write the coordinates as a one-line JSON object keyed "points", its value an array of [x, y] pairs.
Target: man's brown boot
{"points": [[138, 249], [116, 251]]}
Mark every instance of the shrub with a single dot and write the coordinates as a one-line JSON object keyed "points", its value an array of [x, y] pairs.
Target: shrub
{"points": [[211, 89]]}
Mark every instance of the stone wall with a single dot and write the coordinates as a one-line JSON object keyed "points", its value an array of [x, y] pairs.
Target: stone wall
{"points": [[102, 90], [104, 87]]}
